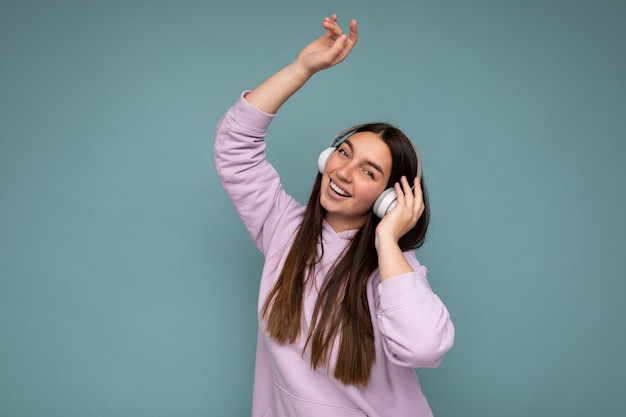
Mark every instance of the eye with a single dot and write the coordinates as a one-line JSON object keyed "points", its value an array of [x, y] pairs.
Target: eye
{"points": [[369, 173], [342, 152]]}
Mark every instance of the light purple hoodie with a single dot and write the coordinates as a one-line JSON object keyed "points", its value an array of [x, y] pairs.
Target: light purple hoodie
{"points": [[412, 326]]}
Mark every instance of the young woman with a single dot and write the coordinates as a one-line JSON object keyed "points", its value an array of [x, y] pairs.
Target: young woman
{"points": [[345, 310]]}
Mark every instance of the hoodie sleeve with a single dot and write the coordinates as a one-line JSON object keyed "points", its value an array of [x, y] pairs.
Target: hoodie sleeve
{"points": [[414, 323], [252, 184]]}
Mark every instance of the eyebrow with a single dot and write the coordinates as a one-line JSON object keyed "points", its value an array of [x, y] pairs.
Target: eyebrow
{"points": [[367, 161]]}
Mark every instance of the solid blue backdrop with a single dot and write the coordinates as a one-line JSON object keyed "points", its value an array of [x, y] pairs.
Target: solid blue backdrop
{"points": [[128, 284]]}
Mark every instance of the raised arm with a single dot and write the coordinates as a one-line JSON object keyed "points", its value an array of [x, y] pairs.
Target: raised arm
{"points": [[328, 50]]}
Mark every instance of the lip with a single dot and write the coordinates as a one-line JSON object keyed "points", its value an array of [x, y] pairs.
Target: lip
{"points": [[332, 192]]}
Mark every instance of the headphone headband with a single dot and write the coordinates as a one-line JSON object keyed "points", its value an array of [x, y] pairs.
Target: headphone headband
{"points": [[345, 134]]}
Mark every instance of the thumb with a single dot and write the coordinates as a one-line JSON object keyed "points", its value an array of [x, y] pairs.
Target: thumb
{"points": [[338, 46]]}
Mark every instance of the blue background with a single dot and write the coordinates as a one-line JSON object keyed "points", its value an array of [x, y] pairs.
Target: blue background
{"points": [[128, 285]]}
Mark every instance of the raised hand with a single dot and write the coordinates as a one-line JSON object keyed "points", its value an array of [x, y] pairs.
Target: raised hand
{"points": [[329, 49]]}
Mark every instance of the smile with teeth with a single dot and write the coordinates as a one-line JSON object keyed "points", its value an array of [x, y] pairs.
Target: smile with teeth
{"points": [[338, 190]]}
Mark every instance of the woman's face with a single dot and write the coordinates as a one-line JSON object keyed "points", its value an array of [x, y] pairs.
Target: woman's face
{"points": [[354, 176]]}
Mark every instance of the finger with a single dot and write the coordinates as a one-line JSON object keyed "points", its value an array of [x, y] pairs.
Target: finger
{"points": [[400, 195], [419, 196], [330, 24], [354, 31], [406, 187], [417, 188], [337, 49], [411, 197], [327, 24]]}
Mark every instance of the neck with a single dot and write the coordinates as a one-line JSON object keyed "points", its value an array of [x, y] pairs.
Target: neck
{"points": [[341, 224]]}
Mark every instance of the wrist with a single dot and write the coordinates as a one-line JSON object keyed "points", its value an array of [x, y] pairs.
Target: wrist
{"points": [[391, 260], [301, 71], [383, 240]]}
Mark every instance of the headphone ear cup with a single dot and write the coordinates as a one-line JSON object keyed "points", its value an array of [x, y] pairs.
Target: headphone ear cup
{"points": [[385, 202], [323, 158]]}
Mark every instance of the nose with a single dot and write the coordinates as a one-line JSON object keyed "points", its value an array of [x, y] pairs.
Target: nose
{"points": [[345, 171]]}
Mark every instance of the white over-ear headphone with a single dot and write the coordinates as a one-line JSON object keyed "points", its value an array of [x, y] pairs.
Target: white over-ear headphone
{"points": [[388, 199]]}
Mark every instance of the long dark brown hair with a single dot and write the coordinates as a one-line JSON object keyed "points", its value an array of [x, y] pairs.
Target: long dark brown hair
{"points": [[342, 309]]}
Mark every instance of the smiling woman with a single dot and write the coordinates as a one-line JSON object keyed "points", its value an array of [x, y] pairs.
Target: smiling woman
{"points": [[346, 312], [355, 175]]}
